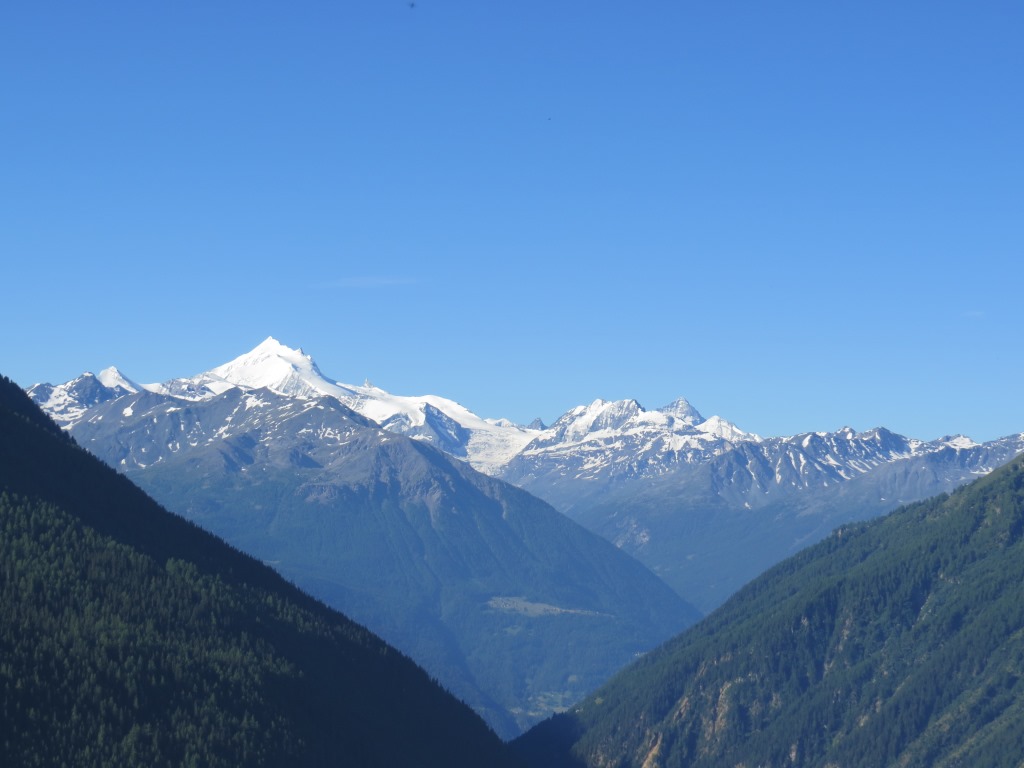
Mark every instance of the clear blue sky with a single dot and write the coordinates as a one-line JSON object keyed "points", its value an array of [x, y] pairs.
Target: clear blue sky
{"points": [[798, 215]]}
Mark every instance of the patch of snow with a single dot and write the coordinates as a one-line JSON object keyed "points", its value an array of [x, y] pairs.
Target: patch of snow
{"points": [[726, 430], [113, 378], [959, 442], [291, 372]]}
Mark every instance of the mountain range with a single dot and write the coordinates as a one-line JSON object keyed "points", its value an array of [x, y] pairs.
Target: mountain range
{"points": [[513, 607], [702, 503], [132, 637], [708, 524], [896, 642], [891, 642]]}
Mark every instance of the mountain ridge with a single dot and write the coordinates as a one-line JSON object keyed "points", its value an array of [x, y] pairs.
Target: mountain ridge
{"points": [[677, 430], [431, 554], [700, 502], [892, 642], [131, 636]]}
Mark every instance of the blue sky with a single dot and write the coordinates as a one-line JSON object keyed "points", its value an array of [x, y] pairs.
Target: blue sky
{"points": [[797, 215]]}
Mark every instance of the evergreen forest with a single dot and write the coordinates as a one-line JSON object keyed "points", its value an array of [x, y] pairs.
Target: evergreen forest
{"points": [[894, 642], [132, 637]]}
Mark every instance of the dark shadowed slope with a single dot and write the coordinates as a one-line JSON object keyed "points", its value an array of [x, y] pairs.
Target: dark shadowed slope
{"points": [[513, 607], [131, 637], [896, 642], [709, 525]]}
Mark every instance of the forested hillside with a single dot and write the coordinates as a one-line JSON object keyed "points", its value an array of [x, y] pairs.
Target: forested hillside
{"points": [[131, 637], [510, 605], [896, 642]]}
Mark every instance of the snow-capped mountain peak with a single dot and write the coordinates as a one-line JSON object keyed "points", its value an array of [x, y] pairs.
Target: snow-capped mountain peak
{"points": [[603, 419], [113, 378], [270, 365], [485, 443], [958, 442], [291, 372], [280, 368], [719, 427], [600, 417], [67, 403], [608, 442], [682, 410]]}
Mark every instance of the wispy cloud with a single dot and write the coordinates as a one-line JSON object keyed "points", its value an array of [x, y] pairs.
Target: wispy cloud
{"points": [[972, 313]]}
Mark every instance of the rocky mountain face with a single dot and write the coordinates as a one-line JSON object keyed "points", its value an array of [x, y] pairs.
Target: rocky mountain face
{"points": [[893, 642], [707, 522], [513, 607], [595, 448], [702, 503], [132, 637]]}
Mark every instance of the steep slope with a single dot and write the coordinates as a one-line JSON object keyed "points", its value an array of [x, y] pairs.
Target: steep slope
{"points": [[639, 478], [707, 506], [513, 607], [593, 449], [131, 637], [708, 528], [67, 403], [485, 443], [896, 642]]}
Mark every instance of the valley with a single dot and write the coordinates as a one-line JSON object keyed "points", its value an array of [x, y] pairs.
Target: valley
{"points": [[470, 543], [657, 405], [702, 503]]}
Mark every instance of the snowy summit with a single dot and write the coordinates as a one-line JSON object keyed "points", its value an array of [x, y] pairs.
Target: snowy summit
{"points": [[485, 444]]}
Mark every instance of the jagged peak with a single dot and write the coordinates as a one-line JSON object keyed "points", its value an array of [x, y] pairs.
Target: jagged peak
{"points": [[726, 430], [113, 378], [276, 366], [956, 441], [271, 348], [681, 409], [599, 415]]}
